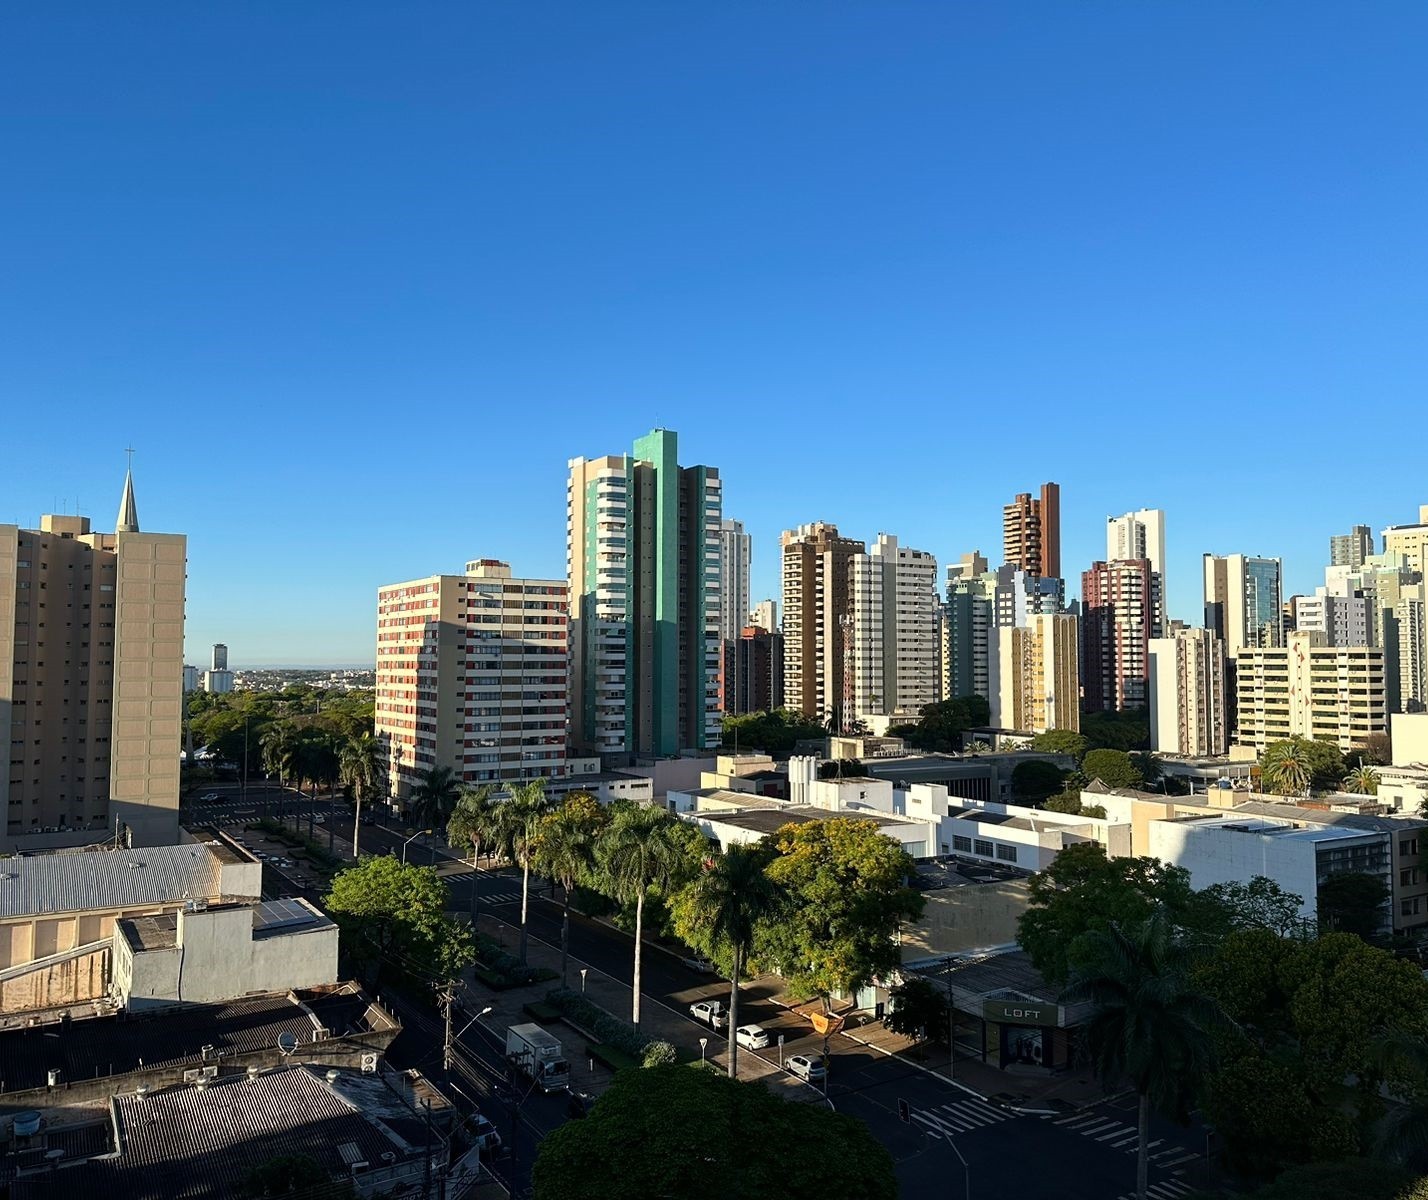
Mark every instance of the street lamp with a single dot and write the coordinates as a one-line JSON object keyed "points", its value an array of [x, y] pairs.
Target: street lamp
{"points": [[702, 1043], [409, 841], [583, 972]]}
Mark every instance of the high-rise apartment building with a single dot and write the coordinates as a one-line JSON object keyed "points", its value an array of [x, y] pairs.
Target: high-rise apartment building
{"points": [[514, 714], [1189, 711], [758, 670], [1343, 620], [219, 661], [1244, 601], [734, 561], [895, 644], [472, 676], [91, 678], [1031, 531], [1020, 595], [817, 619], [1141, 534], [765, 615], [1350, 549], [643, 556], [1410, 541], [1309, 689], [967, 630], [1411, 650], [1119, 603], [1038, 680]]}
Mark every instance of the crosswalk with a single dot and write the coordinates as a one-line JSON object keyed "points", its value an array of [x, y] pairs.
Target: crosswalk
{"points": [[1115, 1133], [961, 1116], [1166, 1189]]}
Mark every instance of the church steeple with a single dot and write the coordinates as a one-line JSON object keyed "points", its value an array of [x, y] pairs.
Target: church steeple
{"points": [[128, 521]]}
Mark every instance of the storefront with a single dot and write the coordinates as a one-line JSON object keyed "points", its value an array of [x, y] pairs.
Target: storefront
{"points": [[1025, 1033]]}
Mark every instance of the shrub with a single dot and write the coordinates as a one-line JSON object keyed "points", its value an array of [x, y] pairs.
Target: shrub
{"points": [[658, 1054], [601, 1025]]}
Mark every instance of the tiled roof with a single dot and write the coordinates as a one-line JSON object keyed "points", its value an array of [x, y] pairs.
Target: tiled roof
{"points": [[33, 884]]}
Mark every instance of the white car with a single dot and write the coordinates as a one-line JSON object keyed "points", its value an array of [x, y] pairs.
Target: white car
{"points": [[711, 1012], [699, 964], [807, 1068], [208, 797], [752, 1037]]}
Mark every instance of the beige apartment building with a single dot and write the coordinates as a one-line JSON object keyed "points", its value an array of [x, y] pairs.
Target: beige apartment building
{"points": [[1312, 690], [895, 636], [471, 676], [1189, 713], [1410, 541], [91, 680], [1038, 675], [817, 619]]}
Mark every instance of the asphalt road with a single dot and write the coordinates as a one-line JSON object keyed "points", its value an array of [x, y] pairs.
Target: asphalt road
{"points": [[1089, 1155]]}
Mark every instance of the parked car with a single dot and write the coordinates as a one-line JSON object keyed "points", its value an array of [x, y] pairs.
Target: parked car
{"points": [[484, 1134], [752, 1037], [699, 964], [208, 797], [806, 1067], [711, 1012]]}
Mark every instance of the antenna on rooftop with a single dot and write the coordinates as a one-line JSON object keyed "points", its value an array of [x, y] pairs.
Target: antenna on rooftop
{"points": [[287, 1042]]}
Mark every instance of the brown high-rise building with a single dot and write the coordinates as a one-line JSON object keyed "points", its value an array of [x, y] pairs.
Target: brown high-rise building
{"points": [[91, 680], [1119, 603], [1031, 532], [817, 605], [753, 671]]}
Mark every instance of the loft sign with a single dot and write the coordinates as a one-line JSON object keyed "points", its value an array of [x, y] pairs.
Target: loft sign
{"points": [[1018, 1013]]}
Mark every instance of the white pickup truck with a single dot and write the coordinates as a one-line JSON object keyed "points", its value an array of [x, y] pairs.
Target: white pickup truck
{"points": [[711, 1012]]}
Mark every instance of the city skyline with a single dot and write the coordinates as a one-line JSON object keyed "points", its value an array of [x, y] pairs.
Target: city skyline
{"points": [[882, 274]]}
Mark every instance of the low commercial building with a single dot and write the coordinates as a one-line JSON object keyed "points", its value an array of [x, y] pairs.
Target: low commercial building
{"points": [[972, 776], [968, 906]]}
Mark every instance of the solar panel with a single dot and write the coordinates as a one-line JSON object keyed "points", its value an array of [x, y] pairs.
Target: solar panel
{"points": [[282, 914]]}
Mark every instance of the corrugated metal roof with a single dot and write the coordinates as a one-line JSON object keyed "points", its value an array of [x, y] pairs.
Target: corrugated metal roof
{"points": [[32, 885]]}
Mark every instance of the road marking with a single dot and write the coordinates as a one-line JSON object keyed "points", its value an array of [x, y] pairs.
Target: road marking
{"points": [[1119, 1131], [1184, 1157], [961, 1116]]}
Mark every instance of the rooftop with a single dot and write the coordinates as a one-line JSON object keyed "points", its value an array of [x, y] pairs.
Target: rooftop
{"points": [[1280, 827], [81, 881], [1323, 816], [771, 820]]}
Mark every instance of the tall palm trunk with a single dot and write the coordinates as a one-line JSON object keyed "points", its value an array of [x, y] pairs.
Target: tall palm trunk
{"points": [[566, 886], [639, 935], [734, 1014], [1142, 1148], [525, 893]]}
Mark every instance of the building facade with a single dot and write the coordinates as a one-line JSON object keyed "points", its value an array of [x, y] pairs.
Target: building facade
{"points": [[765, 615], [1038, 675], [1409, 541], [735, 555], [643, 560], [1244, 601], [1352, 548], [817, 617], [1189, 713], [91, 677], [1310, 689], [965, 631], [895, 644], [754, 660], [1119, 603], [1031, 531]]}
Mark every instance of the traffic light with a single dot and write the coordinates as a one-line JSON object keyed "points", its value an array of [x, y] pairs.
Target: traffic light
{"points": [[904, 1111]]}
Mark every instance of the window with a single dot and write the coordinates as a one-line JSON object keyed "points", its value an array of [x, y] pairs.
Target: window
{"points": [[1006, 853], [1410, 907], [1408, 846], [982, 848], [962, 843]]}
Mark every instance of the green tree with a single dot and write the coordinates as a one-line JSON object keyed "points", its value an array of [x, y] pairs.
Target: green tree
{"points": [[1257, 903], [474, 822], [672, 1131], [720, 912], [1070, 802], [1062, 741], [1359, 1178], [433, 799], [280, 750], [393, 915], [1083, 890], [1296, 764], [294, 1175], [918, 1009], [565, 851], [517, 824], [1362, 780], [940, 725], [1150, 1025], [1350, 902], [1127, 730], [1036, 779], [774, 732], [642, 850], [364, 770], [1114, 768], [848, 896], [842, 768], [1403, 1136]]}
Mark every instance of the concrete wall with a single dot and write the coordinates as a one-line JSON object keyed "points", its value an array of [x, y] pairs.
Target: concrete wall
{"points": [[72, 980], [1410, 738], [1214, 855], [973, 916]]}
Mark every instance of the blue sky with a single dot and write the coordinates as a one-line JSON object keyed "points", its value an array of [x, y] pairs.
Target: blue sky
{"points": [[358, 279]]}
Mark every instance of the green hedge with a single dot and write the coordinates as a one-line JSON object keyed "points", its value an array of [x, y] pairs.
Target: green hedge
{"points": [[608, 1056], [499, 969], [612, 1033]]}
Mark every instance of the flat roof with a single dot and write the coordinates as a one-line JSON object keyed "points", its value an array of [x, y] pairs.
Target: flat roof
{"points": [[986, 974], [1364, 821], [81, 881], [770, 820], [1264, 827], [150, 933]]}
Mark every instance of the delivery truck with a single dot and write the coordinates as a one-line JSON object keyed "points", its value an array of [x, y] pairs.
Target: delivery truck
{"points": [[537, 1054]]}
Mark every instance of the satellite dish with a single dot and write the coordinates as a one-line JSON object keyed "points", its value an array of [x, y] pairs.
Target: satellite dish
{"points": [[287, 1042]]}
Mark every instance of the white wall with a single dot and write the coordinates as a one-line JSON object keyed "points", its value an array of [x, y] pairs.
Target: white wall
{"points": [[1409, 732], [1213, 854]]}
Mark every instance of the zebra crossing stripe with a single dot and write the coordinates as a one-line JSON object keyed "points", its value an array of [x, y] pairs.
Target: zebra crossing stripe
{"points": [[975, 1108], [1175, 1162], [1119, 1131]]}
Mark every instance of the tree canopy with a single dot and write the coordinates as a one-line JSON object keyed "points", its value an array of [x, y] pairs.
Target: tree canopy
{"points": [[1114, 768], [695, 1134], [1294, 764], [1350, 902], [774, 732], [1062, 741], [847, 894], [1035, 780], [1127, 730], [941, 724]]}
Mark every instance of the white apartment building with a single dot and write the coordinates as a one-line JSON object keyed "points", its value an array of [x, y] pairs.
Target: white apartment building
{"points": [[1410, 541], [1312, 690], [735, 552], [1141, 534], [514, 716], [895, 639], [1411, 617], [1343, 619], [1189, 714], [764, 615], [1038, 675]]}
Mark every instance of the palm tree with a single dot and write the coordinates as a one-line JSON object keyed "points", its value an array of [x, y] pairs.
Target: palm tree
{"points": [[282, 753], [641, 851], [364, 770], [434, 798], [473, 820], [1286, 768], [565, 852], [1362, 780], [726, 904], [516, 824], [1149, 1025], [1403, 1137]]}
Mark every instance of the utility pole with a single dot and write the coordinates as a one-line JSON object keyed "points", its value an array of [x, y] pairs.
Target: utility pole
{"points": [[951, 1020], [448, 998]]}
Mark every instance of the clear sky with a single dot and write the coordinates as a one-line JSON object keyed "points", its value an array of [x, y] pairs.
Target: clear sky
{"points": [[357, 279]]}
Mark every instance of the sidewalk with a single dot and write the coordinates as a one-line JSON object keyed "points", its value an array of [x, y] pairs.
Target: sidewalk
{"points": [[657, 1020]]}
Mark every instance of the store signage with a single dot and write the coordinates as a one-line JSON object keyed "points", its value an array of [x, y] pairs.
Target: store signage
{"points": [[1014, 1012]]}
